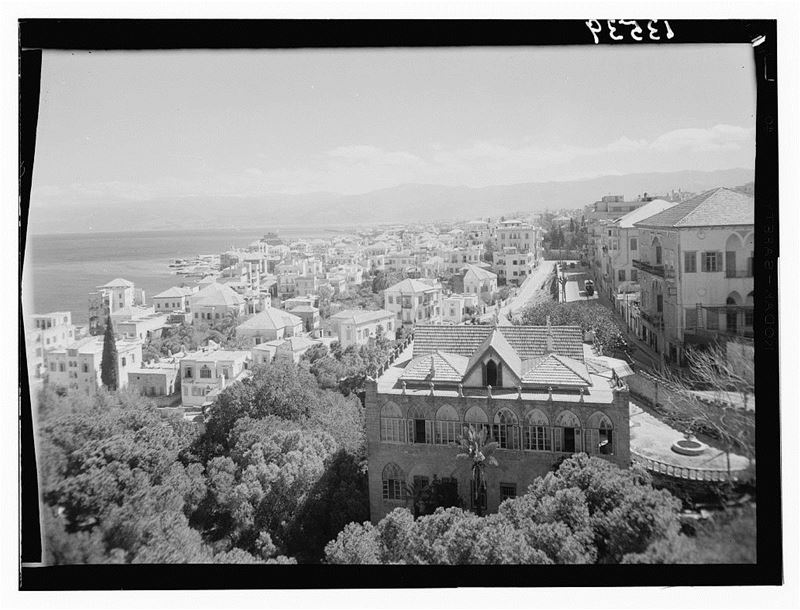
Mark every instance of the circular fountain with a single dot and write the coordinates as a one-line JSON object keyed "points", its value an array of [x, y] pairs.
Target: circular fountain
{"points": [[689, 446]]}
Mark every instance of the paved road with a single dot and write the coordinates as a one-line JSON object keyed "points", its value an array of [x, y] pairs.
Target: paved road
{"points": [[575, 285], [529, 288]]}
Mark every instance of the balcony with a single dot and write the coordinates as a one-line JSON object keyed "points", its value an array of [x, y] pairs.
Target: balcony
{"points": [[658, 270], [656, 319]]}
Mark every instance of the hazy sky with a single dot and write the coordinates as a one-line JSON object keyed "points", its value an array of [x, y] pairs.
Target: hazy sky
{"points": [[138, 125]]}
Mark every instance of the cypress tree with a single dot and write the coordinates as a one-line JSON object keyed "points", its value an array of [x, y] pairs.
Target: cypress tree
{"points": [[108, 365]]}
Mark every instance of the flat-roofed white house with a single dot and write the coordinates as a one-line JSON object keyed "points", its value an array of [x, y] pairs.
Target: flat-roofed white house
{"points": [[215, 302], [269, 325], [210, 371], [45, 332], [357, 326], [77, 366]]}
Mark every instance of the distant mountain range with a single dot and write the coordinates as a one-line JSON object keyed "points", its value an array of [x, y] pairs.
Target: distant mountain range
{"points": [[404, 203]]}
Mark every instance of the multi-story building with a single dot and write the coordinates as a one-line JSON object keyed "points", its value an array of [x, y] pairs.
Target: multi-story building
{"points": [[215, 302], [110, 298], [77, 366], [479, 281], [455, 307], [45, 332], [174, 299], [207, 372], [477, 231], [617, 244], [529, 387], [358, 326], [696, 272], [512, 266], [414, 301], [309, 315], [456, 260], [516, 234]]}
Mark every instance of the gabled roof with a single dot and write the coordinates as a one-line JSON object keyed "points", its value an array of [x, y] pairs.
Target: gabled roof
{"points": [[480, 273], [216, 294], [649, 209], [502, 348], [716, 207], [555, 370], [411, 286], [362, 316], [436, 367], [270, 319], [174, 292], [118, 283], [527, 341]]}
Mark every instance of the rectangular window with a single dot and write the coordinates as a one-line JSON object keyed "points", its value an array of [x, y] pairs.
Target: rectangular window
{"points": [[621, 275], [712, 261], [691, 317], [748, 317], [446, 432], [187, 373], [658, 255], [660, 303], [507, 491], [537, 438], [392, 430], [205, 373], [690, 262], [712, 320], [634, 243], [420, 483], [634, 275], [392, 489]]}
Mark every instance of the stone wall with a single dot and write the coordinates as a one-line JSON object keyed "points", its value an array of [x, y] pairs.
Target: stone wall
{"points": [[515, 465]]}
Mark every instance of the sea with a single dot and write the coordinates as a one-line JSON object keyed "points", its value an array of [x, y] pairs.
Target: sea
{"points": [[60, 270]]}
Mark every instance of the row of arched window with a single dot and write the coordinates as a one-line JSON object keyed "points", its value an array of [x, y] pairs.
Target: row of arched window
{"points": [[565, 434]]}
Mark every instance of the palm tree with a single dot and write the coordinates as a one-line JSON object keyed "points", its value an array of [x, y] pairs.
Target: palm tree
{"points": [[474, 447]]}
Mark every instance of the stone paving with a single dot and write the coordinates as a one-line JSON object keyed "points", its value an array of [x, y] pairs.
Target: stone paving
{"points": [[653, 439]]}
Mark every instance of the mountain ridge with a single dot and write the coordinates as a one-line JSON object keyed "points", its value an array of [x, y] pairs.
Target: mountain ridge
{"points": [[402, 203]]}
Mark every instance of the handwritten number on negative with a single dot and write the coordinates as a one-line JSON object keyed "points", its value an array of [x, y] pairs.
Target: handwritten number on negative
{"points": [[616, 29]]}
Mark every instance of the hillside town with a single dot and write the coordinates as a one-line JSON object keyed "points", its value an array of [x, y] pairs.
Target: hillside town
{"points": [[533, 336]]}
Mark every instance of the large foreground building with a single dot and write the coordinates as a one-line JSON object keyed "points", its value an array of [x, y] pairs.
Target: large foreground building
{"points": [[530, 387]]}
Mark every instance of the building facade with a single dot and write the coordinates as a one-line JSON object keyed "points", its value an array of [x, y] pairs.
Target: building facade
{"points": [[78, 365], [696, 273], [528, 387], [46, 332], [357, 327], [414, 302]]}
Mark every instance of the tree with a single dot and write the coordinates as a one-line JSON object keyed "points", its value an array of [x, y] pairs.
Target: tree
{"points": [[587, 511], [475, 448], [713, 396], [109, 372]]}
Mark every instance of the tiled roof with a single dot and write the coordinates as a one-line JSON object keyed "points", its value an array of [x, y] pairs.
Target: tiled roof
{"points": [[501, 346], [527, 341], [362, 316], [271, 319], [480, 273], [446, 367], [299, 343], [649, 209], [410, 286], [216, 294], [556, 370], [117, 282], [717, 207], [174, 292]]}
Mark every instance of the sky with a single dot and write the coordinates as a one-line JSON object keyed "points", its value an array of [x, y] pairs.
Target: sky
{"points": [[134, 125]]}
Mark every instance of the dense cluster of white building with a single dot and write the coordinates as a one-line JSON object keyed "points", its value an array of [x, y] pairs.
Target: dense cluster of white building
{"points": [[271, 293]]}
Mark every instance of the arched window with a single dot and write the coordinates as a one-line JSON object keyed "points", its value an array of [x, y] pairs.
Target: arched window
{"points": [[537, 435], [477, 418], [567, 433], [446, 427], [393, 429], [492, 374], [394, 482], [506, 430], [599, 434], [420, 429]]}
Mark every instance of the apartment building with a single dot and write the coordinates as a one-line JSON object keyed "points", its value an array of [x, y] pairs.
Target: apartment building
{"points": [[77, 366], [696, 272], [415, 301], [358, 326], [45, 332], [207, 372]]}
